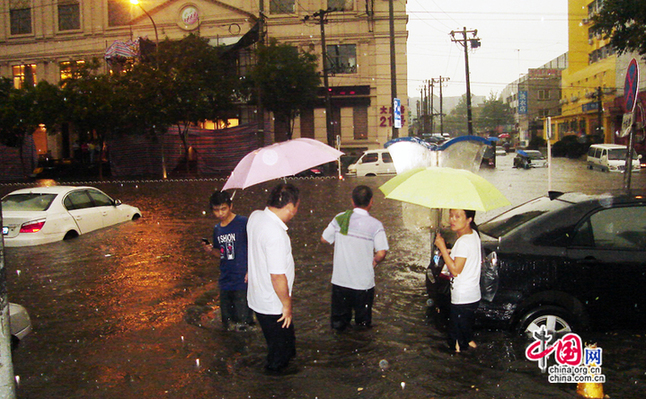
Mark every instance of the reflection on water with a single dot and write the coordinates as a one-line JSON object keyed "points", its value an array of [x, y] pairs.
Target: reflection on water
{"points": [[132, 311]]}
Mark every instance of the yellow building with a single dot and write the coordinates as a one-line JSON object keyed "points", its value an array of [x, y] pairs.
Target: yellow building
{"points": [[44, 39], [588, 85]]}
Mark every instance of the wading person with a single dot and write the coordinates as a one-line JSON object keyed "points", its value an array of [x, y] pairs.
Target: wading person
{"points": [[360, 243], [271, 274], [230, 244], [464, 264]]}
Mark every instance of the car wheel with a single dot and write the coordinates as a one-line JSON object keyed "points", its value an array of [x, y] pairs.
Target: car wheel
{"points": [[557, 322], [136, 216], [371, 175]]}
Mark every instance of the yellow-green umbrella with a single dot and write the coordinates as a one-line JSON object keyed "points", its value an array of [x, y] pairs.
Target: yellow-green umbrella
{"points": [[447, 188]]}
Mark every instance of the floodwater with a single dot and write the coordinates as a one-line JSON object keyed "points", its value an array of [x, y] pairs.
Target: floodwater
{"points": [[132, 311]]}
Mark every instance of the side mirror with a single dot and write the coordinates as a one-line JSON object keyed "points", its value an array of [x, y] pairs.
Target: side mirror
{"points": [[639, 156], [117, 202]]}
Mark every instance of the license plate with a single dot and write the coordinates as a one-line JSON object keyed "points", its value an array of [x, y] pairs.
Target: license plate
{"points": [[5, 230]]}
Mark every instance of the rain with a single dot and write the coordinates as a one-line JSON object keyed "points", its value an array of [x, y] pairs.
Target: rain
{"points": [[132, 311]]}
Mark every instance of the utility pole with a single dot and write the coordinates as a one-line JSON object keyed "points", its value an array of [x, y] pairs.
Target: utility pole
{"points": [[599, 96], [260, 108], [7, 378], [474, 42], [431, 86], [329, 128], [393, 64], [440, 81]]}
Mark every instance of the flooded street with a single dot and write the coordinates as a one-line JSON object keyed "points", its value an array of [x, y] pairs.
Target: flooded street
{"points": [[132, 311]]}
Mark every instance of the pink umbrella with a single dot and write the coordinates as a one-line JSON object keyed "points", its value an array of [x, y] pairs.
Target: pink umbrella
{"points": [[280, 160], [503, 136]]}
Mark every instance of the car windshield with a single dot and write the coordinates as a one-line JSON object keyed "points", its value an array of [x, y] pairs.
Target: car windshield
{"points": [[508, 221], [30, 202]]}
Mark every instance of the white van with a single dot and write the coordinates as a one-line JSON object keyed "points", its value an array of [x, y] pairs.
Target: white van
{"points": [[611, 158], [373, 163]]}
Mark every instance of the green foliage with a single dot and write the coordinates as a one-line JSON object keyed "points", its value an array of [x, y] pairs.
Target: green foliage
{"points": [[455, 122], [624, 23], [492, 114], [288, 80]]}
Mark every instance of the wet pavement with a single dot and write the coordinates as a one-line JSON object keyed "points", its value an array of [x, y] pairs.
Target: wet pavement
{"points": [[132, 311]]}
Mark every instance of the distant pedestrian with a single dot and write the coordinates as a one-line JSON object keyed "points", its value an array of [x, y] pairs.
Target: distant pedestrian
{"points": [[464, 265], [271, 274], [360, 243], [230, 244]]}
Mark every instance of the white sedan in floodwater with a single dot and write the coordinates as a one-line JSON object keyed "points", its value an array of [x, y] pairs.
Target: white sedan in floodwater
{"points": [[40, 215]]}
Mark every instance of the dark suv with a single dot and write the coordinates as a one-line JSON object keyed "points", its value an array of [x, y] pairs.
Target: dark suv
{"points": [[564, 261]]}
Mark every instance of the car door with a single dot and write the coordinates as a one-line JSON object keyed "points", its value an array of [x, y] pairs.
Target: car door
{"points": [[109, 213], [387, 166], [609, 252], [80, 205]]}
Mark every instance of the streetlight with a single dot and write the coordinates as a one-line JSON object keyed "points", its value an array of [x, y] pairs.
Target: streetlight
{"points": [[136, 3]]}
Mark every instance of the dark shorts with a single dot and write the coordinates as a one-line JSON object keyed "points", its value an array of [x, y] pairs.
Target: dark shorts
{"points": [[234, 308], [345, 301], [462, 319]]}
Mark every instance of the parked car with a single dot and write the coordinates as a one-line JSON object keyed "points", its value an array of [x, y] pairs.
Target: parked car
{"points": [[565, 261], [40, 215], [611, 158], [526, 159], [373, 163], [20, 323]]}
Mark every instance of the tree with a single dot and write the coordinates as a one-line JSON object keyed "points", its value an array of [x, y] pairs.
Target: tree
{"points": [[94, 104], [624, 23], [455, 122], [288, 81], [194, 82], [23, 110], [492, 114]]}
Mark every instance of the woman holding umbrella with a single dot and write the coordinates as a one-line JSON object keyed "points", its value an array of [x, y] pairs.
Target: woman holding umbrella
{"points": [[464, 265]]}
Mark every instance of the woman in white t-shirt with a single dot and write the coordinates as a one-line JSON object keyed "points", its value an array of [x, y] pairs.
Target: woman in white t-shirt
{"points": [[464, 264]]}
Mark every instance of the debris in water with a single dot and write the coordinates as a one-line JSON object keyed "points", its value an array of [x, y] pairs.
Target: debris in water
{"points": [[383, 364], [403, 385]]}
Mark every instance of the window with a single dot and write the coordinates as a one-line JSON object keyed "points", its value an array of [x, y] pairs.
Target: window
{"points": [[340, 5], [360, 121], [20, 16], [386, 157], [100, 199], [543, 94], [24, 76], [69, 15], [68, 68], [616, 228], [78, 200], [282, 6], [341, 58], [118, 13], [370, 157]]}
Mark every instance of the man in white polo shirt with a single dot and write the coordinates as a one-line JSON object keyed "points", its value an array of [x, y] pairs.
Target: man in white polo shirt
{"points": [[271, 274], [360, 243]]}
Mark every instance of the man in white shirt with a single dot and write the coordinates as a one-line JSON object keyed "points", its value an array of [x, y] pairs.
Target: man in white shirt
{"points": [[271, 274], [360, 243]]}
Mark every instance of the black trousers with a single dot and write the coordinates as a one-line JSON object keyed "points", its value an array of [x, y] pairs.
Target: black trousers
{"points": [[281, 342], [345, 301], [463, 318], [234, 308]]}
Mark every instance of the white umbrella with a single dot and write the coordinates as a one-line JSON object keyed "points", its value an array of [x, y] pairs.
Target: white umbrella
{"points": [[278, 160]]}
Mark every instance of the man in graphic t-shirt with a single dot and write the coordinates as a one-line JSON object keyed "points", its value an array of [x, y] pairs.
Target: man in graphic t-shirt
{"points": [[230, 243]]}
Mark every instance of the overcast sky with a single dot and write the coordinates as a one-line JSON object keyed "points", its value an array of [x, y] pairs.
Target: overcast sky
{"points": [[515, 35]]}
